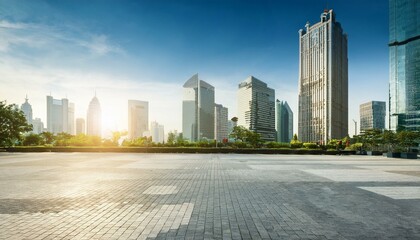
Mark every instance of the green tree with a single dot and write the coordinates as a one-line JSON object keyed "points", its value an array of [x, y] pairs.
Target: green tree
{"points": [[116, 136], [12, 124], [171, 138], [239, 133], [47, 137], [390, 140], [408, 139], [32, 140], [295, 143]]}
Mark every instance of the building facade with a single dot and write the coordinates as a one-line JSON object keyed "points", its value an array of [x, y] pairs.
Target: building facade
{"points": [[80, 126], [57, 115], [38, 126], [256, 108], [94, 118], [27, 110], [198, 110], [157, 132], [220, 122], [404, 64], [284, 121], [71, 122], [372, 115], [323, 81], [138, 118]]}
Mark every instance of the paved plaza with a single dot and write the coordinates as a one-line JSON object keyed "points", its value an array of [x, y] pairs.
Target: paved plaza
{"points": [[207, 196]]}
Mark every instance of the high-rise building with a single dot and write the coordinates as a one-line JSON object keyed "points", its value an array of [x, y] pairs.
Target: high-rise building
{"points": [[220, 122], [94, 118], [138, 118], [198, 110], [27, 110], [38, 126], [372, 115], [80, 126], [70, 128], [284, 121], [404, 64], [323, 81], [256, 108], [157, 132], [57, 115]]}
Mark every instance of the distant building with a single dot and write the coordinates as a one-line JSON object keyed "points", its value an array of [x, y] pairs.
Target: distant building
{"points": [[94, 118], [198, 110], [80, 126], [57, 115], [138, 118], [404, 65], [27, 110], [372, 115], [157, 132], [71, 128], [323, 81], [220, 122], [256, 108], [38, 126], [284, 121]]}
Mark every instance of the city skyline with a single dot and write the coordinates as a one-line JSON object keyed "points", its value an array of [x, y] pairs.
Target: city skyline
{"points": [[91, 49]]}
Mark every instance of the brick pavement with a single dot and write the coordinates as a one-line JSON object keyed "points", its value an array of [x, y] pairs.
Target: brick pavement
{"points": [[214, 196]]}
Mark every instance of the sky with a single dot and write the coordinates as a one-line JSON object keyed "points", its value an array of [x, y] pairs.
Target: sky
{"points": [[146, 50]]}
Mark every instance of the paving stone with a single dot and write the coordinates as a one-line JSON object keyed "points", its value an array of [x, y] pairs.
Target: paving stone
{"points": [[210, 196]]}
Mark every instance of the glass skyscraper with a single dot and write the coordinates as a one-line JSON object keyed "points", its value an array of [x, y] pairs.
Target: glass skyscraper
{"points": [[404, 63]]}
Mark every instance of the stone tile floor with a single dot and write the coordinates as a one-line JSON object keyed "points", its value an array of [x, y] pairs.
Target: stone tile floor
{"points": [[211, 196]]}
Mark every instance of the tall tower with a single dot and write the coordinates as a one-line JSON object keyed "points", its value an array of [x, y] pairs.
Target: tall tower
{"points": [[404, 65], [323, 81], [57, 115], [138, 118], [284, 121], [198, 110], [220, 122], [27, 110], [256, 108], [94, 118]]}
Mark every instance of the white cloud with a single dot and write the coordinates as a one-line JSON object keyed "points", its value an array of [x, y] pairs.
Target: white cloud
{"points": [[99, 45]]}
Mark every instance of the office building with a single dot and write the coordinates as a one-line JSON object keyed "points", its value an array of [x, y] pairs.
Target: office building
{"points": [[27, 110], [57, 115], [323, 81], [94, 118], [38, 126], [157, 132], [220, 122], [71, 128], [138, 118], [284, 121], [256, 108], [80, 126], [404, 64], [198, 110], [372, 115]]}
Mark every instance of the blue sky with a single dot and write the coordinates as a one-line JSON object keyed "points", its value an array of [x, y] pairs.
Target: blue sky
{"points": [[145, 50]]}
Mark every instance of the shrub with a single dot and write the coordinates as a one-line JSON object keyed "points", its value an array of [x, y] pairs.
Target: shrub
{"points": [[277, 145], [310, 145]]}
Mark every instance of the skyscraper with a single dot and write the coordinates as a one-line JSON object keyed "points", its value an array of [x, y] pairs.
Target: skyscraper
{"points": [[80, 126], [70, 128], [256, 108], [323, 81], [138, 118], [284, 121], [220, 122], [404, 64], [372, 115], [198, 110], [94, 118], [27, 110], [157, 132], [38, 126], [57, 115]]}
